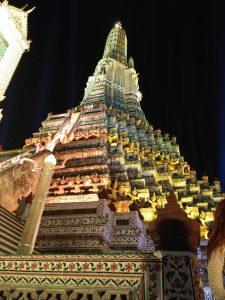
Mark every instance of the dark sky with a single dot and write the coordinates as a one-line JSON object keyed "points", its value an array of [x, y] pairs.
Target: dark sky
{"points": [[178, 48]]}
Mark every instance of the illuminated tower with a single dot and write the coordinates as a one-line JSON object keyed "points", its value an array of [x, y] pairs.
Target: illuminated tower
{"points": [[113, 169], [13, 42], [113, 177]]}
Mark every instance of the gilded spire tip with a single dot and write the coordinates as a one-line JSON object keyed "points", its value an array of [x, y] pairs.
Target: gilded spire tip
{"points": [[118, 24]]}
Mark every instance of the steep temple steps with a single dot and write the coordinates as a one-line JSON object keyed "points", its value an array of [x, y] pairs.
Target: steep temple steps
{"points": [[10, 232]]}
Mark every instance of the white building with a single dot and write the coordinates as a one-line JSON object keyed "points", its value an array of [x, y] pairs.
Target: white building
{"points": [[13, 42]]}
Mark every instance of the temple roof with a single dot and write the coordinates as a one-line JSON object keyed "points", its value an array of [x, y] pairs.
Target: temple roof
{"points": [[116, 44]]}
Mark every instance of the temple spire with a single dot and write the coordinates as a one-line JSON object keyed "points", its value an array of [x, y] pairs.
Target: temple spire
{"points": [[116, 44]]}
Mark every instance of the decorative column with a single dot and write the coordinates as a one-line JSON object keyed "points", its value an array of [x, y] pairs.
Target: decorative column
{"points": [[33, 220]]}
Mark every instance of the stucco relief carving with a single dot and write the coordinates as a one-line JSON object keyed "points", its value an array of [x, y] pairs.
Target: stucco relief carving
{"points": [[19, 181]]}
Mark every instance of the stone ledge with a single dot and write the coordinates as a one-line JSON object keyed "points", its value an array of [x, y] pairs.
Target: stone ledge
{"points": [[140, 276]]}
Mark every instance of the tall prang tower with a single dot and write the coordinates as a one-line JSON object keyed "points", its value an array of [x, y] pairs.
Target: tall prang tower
{"points": [[114, 171], [13, 42], [90, 181], [98, 162]]}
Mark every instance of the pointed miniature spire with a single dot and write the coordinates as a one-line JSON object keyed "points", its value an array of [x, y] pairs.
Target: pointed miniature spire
{"points": [[116, 44], [131, 62]]}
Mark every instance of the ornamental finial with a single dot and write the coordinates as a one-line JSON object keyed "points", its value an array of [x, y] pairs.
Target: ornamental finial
{"points": [[118, 24]]}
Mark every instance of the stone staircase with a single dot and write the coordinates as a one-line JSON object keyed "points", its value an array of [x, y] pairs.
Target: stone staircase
{"points": [[10, 232]]}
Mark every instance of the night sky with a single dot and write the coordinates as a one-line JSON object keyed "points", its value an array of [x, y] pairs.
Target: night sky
{"points": [[178, 48]]}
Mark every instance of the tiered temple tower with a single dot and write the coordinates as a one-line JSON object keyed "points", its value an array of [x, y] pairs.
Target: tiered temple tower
{"points": [[113, 166], [113, 170], [13, 42]]}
